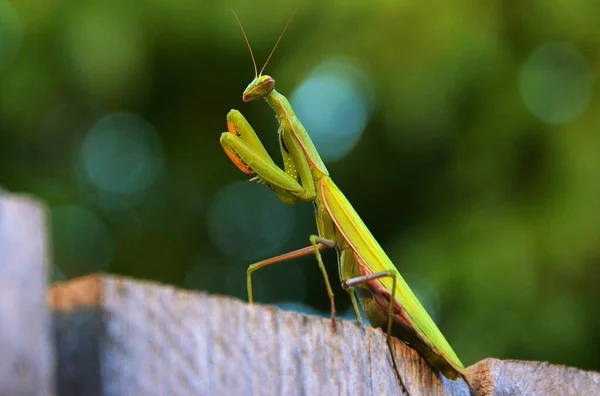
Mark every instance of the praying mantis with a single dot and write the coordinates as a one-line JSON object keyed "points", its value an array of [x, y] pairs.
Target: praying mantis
{"points": [[365, 271]]}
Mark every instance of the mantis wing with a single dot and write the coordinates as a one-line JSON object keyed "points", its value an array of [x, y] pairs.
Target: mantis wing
{"points": [[370, 252]]}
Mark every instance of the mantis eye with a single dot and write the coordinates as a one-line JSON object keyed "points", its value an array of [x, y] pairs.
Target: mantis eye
{"points": [[268, 84]]}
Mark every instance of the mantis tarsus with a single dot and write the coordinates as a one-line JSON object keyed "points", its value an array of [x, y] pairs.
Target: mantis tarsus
{"points": [[365, 270]]}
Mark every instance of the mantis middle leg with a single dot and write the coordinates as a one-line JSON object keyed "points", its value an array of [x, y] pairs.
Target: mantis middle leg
{"points": [[317, 244]]}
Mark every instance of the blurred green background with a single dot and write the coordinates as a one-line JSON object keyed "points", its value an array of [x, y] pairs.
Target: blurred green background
{"points": [[466, 135]]}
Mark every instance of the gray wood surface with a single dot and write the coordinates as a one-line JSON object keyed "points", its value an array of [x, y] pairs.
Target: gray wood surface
{"points": [[25, 352], [514, 377], [122, 337], [157, 340]]}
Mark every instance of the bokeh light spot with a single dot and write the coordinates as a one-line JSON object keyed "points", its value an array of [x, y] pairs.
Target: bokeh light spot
{"points": [[249, 222], [556, 83], [334, 104], [82, 244], [122, 154], [11, 34]]}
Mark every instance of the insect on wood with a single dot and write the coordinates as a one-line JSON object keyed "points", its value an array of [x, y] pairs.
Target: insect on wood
{"points": [[365, 271]]}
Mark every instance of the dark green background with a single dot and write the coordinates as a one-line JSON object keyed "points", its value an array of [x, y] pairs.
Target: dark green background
{"points": [[489, 206]]}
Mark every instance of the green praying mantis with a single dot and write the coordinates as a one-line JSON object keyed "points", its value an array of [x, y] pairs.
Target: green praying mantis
{"points": [[365, 271]]}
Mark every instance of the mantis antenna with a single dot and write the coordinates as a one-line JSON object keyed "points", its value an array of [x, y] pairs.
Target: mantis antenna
{"points": [[277, 43], [247, 42], [256, 73]]}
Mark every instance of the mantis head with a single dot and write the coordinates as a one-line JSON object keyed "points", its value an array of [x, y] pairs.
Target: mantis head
{"points": [[260, 87]]}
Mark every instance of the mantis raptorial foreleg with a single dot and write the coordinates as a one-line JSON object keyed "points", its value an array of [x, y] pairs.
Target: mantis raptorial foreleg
{"points": [[244, 148]]}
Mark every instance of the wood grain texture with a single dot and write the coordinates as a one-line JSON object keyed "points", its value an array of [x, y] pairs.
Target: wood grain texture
{"points": [[117, 336], [25, 357], [513, 377], [156, 340]]}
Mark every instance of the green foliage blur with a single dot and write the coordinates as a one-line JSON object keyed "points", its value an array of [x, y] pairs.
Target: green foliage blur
{"points": [[478, 169]]}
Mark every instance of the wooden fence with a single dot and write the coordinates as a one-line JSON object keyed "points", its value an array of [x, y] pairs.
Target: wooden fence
{"points": [[108, 335]]}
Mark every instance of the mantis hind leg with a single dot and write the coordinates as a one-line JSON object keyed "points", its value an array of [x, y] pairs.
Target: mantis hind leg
{"points": [[360, 280]]}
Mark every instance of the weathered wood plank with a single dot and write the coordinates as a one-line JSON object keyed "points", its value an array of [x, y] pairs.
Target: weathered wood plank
{"points": [[151, 339], [513, 377], [25, 349], [155, 340]]}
